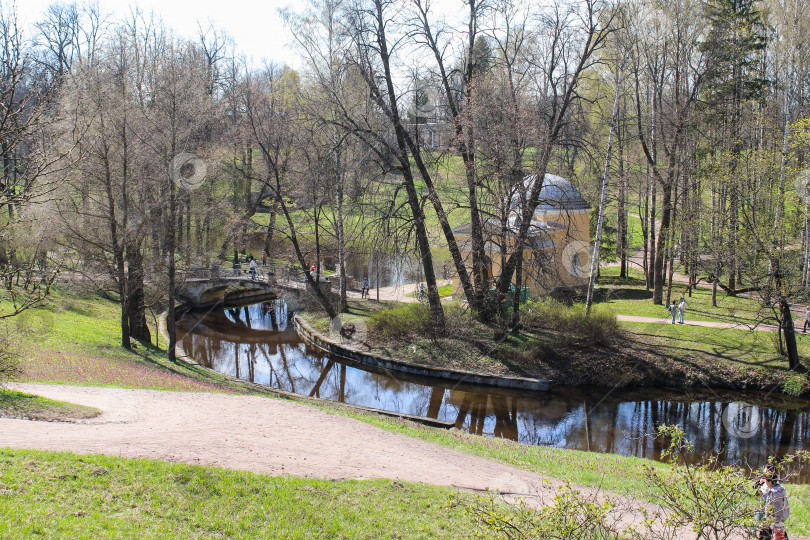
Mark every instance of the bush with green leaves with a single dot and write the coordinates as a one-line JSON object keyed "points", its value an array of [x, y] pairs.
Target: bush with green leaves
{"points": [[401, 321], [409, 320], [705, 501], [599, 327], [569, 515], [716, 502], [796, 384]]}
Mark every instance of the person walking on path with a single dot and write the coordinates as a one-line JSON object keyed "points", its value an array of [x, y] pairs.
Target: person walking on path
{"points": [[681, 309], [365, 288], [252, 268], [673, 310], [806, 319], [775, 506]]}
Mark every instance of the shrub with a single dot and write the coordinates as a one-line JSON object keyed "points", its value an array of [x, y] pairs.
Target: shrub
{"points": [[598, 328], [414, 320], [570, 514], [401, 321], [796, 384], [9, 359]]}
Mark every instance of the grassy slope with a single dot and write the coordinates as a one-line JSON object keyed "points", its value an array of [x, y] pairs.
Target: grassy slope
{"points": [[15, 404], [63, 495], [608, 472], [75, 338]]}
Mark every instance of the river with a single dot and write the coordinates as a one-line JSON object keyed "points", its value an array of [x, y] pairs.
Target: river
{"points": [[258, 343]]}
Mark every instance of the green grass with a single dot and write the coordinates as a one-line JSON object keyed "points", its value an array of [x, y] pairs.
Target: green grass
{"points": [[60, 495], [15, 404], [738, 347], [630, 297], [444, 291], [609, 472], [75, 338]]}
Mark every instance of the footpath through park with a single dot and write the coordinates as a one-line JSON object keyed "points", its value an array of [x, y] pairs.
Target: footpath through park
{"points": [[267, 436]]}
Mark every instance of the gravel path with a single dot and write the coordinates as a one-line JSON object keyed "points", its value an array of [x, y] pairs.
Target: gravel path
{"points": [[268, 436]]}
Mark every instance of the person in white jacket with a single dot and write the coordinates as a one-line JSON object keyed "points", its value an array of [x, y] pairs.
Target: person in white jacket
{"points": [[681, 309]]}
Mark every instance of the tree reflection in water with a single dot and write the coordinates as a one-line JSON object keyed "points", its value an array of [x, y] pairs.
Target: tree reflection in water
{"points": [[258, 343]]}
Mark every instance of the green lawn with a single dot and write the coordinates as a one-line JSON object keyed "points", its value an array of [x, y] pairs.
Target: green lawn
{"points": [[630, 297], [75, 338], [741, 347], [15, 404], [444, 291], [61, 495]]}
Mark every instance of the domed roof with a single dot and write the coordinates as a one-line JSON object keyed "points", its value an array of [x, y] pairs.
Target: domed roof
{"points": [[556, 194]]}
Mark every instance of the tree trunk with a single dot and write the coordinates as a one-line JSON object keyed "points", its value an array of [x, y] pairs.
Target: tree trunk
{"points": [[621, 222], [658, 269], [170, 248], [135, 295], [603, 200], [790, 336]]}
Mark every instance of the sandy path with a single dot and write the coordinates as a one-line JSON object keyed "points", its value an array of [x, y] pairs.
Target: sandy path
{"points": [[708, 324], [269, 436]]}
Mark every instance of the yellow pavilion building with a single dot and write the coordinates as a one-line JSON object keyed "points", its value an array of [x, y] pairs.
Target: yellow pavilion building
{"points": [[558, 254]]}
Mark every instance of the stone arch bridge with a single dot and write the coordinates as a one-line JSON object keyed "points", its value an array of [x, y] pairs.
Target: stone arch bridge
{"points": [[209, 292]]}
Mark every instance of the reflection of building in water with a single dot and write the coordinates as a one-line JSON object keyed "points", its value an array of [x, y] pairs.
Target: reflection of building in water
{"points": [[558, 253]]}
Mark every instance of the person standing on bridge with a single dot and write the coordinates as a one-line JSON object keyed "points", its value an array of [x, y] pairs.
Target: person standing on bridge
{"points": [[252, 268]]}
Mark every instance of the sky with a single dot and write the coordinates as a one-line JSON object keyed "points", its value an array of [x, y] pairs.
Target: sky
{"points": [[255, 26]]}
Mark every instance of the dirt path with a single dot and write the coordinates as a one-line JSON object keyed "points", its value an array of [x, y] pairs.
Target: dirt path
{"points": [[268, 436], [710, 324]]}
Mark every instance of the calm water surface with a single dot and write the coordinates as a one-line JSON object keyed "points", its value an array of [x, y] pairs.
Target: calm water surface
{"points": [[258, 343]]}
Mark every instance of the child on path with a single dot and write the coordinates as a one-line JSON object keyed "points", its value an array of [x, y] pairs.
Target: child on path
{"points": [[673, 310], [364, 289], [806, 319], [681, 309]]}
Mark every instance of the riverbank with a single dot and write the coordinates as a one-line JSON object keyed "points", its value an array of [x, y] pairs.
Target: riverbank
{"points": [[640, 354]]}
